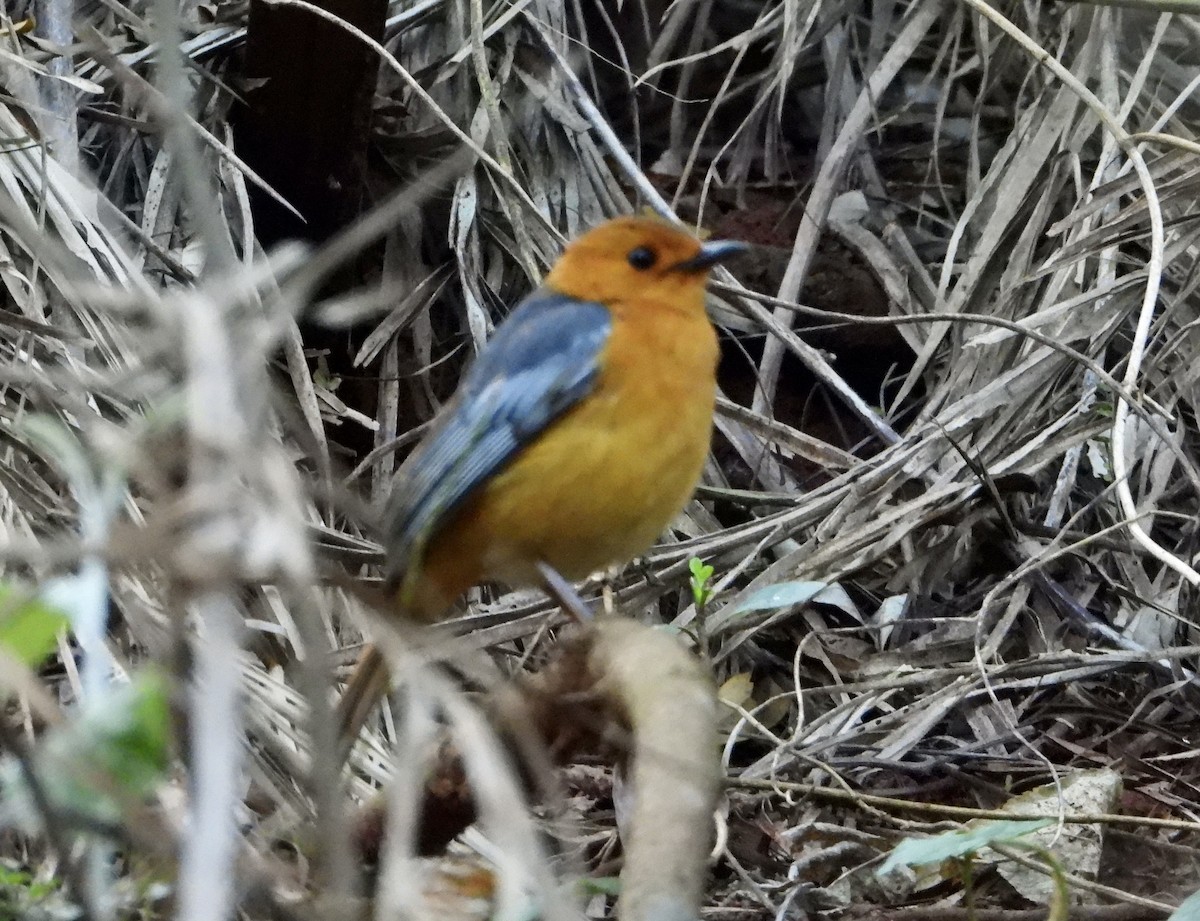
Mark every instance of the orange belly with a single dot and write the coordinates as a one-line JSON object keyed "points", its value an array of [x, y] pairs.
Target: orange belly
{"points": [[601, 483]]}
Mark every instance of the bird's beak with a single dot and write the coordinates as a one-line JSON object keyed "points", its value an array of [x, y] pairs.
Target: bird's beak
{"points": [[711, 253]]}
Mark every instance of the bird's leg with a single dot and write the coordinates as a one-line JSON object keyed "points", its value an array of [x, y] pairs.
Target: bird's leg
{"points": [[564, 593], [608, 593], [644, 568]]}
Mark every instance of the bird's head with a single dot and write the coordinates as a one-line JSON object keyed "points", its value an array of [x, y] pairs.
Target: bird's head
{"points": [[642, 258]]}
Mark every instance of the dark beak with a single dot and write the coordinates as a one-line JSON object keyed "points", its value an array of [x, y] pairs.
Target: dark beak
{"points": [[711, 253]]}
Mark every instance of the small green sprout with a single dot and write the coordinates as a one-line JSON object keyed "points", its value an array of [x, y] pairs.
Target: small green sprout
{"points": [[701, 582]]}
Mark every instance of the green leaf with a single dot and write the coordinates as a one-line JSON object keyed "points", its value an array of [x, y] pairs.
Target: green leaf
{"points": [[918, 851], [701, 574], [1188, 910], [21, 891], [783, 595], [601, 885], [132, 734], [112, 755], [13, 877], [28, 626]]}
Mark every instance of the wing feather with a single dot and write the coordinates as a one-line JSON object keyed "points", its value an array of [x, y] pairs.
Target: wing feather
{"points": [[542, 360]]}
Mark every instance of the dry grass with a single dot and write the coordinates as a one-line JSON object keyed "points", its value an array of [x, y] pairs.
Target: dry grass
{"points": [[1007, 524]]}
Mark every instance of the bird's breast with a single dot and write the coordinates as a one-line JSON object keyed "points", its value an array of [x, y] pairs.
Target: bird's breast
{"points": [[604, 481]]}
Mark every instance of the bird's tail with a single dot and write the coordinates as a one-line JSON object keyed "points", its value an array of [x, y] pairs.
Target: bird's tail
{"points": [[366, 687]]}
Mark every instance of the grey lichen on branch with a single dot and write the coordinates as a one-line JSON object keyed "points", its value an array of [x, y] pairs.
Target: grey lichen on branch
{"points": [[620, 690], [671, 704], [635, 692]]}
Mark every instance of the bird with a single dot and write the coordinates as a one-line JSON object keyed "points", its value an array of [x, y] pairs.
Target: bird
{"points": [[576, 436]]}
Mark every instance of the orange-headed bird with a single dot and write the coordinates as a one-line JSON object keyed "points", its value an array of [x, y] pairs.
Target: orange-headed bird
{"points": [[577, 435]]}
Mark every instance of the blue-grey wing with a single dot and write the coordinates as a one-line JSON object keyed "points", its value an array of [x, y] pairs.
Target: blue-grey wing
{"points": [[541, 361]]}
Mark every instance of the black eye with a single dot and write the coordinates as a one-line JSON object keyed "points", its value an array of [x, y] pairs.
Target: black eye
{"points": [[642, 258]]}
